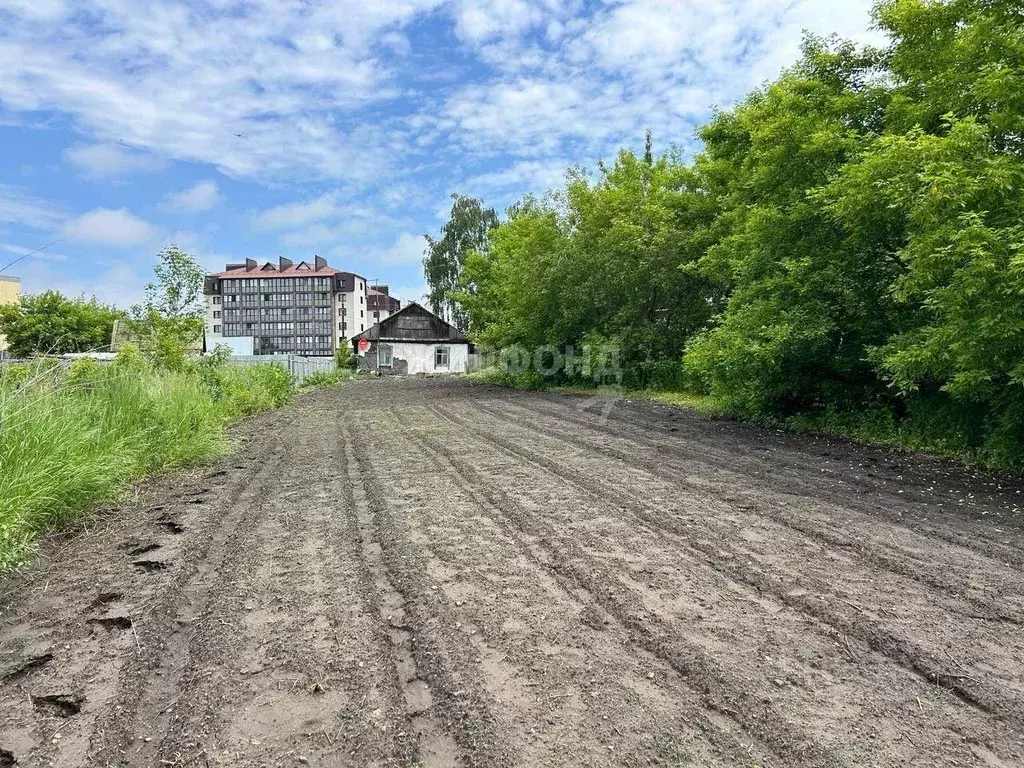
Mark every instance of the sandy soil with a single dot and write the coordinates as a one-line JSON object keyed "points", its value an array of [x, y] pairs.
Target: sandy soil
{"points": [[437, 573]]}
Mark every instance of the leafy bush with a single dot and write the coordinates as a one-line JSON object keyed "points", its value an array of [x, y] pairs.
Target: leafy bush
{"points": [[345, 360]]}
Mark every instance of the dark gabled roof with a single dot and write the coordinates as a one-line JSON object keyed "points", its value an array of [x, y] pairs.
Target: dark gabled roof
{"points": [[413, 323]]}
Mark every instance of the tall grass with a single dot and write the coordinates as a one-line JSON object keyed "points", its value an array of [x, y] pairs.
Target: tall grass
{"points": [[73, 438]]}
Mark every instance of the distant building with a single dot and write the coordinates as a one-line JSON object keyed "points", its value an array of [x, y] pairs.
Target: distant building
{"points": [[10, 293], [380, 305], [287, 308], [412, 340]]}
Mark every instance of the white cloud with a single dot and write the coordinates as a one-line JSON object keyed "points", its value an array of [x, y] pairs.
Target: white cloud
{"points": [[535, 176], [109, 160], [256, 89], [406, 249], [299, 214], [21, 250], [103, 226], [482, 20], [630, 66], [117, 283], [196, 199], [19, 207]]}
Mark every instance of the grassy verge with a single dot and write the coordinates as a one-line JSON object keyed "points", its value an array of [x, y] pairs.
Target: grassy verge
{"points": [[921, 430], [73, 438]]}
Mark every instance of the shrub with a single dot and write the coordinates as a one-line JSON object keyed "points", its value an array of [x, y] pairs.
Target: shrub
{"points": [[344, 360]]}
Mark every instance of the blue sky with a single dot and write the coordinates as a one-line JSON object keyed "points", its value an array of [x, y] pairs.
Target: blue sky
{"points": [[260, 128]]}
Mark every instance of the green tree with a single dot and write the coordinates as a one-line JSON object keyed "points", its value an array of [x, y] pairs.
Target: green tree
{"points": [[949, 177], [600, 260], [466, 230], [50, 323], [807, 299], [170, 318]]}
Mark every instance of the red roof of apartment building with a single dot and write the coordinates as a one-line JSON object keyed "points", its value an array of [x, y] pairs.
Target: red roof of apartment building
{"points": [[284, 268]]}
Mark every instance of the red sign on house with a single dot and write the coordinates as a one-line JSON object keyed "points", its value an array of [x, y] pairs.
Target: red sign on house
{"points": [[363, 345]]}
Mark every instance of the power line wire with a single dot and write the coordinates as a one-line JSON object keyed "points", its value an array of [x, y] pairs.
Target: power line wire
{"points": [[25, 256]]}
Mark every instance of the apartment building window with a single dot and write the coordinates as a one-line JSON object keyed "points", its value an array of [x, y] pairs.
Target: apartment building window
{"points": [[341, 326], [216, 315], [216, 299], [376, 315], [441, 357], [216, 329], [341, 313], [360, 313], [361, 299]]}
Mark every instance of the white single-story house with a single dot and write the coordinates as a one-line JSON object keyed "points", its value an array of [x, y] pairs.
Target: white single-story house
{"points": [[412, 340]]}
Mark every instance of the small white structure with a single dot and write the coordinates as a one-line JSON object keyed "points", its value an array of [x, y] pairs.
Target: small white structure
{"points": [[412, 340]]}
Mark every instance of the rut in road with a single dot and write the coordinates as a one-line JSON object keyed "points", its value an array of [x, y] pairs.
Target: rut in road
{"points": [[441, 573]]}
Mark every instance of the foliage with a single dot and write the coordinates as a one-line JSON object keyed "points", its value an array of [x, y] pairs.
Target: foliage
{"points": [[465, 231], [807, 298], [846, 249], [50, 323], [71, 439], [598, 258], [326, 378], [345, 359], [170, 318]]}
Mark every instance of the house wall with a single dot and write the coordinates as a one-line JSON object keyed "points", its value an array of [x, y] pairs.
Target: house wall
{"points": [[413, 358], [10, 293]]}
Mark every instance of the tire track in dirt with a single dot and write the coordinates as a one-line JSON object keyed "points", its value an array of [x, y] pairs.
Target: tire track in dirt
{"points": [[534, 541], [791, 478], [900, 650], [550, 657], [714, 686], [902, 564], [423, 739], [457, 700], [285, 663]]}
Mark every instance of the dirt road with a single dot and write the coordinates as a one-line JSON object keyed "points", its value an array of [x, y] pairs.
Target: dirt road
{"points": [[435, 573]]}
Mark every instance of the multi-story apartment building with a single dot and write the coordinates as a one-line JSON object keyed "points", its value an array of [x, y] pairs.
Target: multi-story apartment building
{"points": [[10, 293], [380, 305], [285, 308]]}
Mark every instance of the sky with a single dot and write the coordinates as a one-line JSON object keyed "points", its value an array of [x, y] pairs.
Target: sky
{"points": [[266, 128]]}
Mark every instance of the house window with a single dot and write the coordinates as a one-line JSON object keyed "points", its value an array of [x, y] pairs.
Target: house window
{"points": [[385, 355], [216, 329], [216, 314], [441, 357]]}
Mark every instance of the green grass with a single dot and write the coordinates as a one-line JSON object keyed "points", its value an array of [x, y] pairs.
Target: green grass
{"points": [[332, 378], [73, 439]]}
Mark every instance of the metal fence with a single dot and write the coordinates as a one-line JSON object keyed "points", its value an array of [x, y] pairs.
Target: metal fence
{"points": [[299, 367]]}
